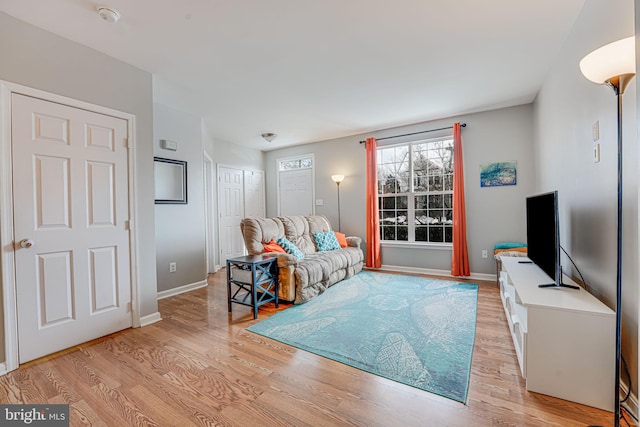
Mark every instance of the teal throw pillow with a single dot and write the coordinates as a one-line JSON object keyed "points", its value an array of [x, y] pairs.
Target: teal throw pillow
{"points": [[290, 248], [326, 241]]}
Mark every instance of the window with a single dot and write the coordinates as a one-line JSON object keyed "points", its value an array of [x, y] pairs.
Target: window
{"points": [[415, 191], [295, 163]]}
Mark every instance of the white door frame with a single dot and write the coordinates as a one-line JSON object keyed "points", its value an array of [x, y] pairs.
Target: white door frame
{"points": [[313, 180], [7, 259], [209, 215]]}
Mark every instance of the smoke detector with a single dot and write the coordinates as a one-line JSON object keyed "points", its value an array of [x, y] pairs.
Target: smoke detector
{"points": [[109, 14], [269, 136]]}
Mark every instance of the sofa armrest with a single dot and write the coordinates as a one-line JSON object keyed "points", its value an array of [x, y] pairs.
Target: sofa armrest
{"points": [[285, 260], [354, 241]]}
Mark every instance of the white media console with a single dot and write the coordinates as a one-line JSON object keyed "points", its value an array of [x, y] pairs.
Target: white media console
{"points": [[564, 338]]}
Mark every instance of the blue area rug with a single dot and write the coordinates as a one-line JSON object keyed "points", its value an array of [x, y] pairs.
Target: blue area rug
{"points": [[410, 329]]}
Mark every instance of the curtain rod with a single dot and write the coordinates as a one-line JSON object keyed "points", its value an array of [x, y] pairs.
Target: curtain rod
{"points": [[463, 125]]}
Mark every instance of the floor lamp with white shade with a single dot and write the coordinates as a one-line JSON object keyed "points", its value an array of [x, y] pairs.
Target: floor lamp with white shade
{"points": [[338, 179], [614, 65]]}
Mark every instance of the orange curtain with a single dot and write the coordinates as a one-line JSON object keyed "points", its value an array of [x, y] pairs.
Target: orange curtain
{"points": [[373, 258], [460, 258]]}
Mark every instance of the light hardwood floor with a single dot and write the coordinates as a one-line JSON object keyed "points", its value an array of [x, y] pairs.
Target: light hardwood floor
{"points": [[199, 366]]}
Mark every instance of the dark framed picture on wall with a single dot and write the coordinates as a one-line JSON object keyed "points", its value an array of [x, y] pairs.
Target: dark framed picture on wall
{"points": [[170, 181]]}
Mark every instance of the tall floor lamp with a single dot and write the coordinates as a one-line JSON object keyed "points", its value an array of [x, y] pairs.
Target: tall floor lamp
{"points": [[614, 65], [338, 179]]}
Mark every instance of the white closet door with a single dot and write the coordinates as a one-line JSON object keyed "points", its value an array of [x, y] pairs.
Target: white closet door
{"points": [[71, 210], [254, 194], [231, 211]]}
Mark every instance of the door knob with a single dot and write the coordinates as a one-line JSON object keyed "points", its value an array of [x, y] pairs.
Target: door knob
{"points": [[26, 243]]}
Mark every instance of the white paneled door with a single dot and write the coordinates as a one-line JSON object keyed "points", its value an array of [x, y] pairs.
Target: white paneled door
{"points": [[296, 192], [71, 212], [254, 194], [231, 209]]}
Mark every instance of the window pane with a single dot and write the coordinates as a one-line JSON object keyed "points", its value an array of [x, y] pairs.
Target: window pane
{"points": [[304, 163], [388, 217], [436, 234], [448, 183], [449, 216], [420, 202], [402, 202], [435, 183], [389, 186], [421, 234], [436, 216], [436, 201], [401, 154], [420, 182], [402, 217], [421, 217], [447, 160], [448, 234], [448, 200], [403, 233], [403, 182], [388, 203], [385, 155], [388, 233]]}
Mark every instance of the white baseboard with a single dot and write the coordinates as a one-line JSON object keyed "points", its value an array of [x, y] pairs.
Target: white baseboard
{"points": [[216, 268], [631, 404], [150, 319], [182, 289], [434, 272], [3, 369]]}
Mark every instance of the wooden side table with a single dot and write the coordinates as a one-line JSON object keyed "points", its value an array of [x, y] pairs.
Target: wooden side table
{"points": [[252, 280]]}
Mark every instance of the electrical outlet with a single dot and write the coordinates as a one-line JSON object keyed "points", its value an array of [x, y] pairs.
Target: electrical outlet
{"points": [[172, 267], [485, 254], [595, 131]]}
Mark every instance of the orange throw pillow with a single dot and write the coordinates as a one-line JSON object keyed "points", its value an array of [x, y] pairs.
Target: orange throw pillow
{"points": [[342, 239], [272, 246]]}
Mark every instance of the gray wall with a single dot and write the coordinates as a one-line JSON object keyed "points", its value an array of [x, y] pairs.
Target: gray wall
{"points": [[38, 59], [566, 108], [179, 240], [180, 229], [493, 214]]}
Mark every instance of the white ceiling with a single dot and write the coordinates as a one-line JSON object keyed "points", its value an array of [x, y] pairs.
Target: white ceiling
{"points": [[311, 70]]}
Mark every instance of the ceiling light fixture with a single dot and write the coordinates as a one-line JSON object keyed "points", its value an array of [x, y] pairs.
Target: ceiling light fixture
{"points": [[109, 14], [269, 137]]}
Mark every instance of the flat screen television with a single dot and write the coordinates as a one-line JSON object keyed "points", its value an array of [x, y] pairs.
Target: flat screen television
{"points": [[543, 236]]}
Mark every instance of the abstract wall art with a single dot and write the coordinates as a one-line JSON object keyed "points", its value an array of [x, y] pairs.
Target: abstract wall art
{"points": [[498, 174]]}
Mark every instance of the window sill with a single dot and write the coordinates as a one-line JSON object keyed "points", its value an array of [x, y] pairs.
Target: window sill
{"points": [[416, 245]]}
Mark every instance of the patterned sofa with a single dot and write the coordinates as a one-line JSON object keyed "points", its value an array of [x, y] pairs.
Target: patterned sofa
{"points": [[303, 279]]}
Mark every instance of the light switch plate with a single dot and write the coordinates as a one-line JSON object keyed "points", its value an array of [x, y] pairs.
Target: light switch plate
{"points": [[596, 153], [319, 202], [595, 131]]}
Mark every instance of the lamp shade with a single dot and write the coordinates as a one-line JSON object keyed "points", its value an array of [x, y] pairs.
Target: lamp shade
{"points": [[337, 178], [609, 61]]}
